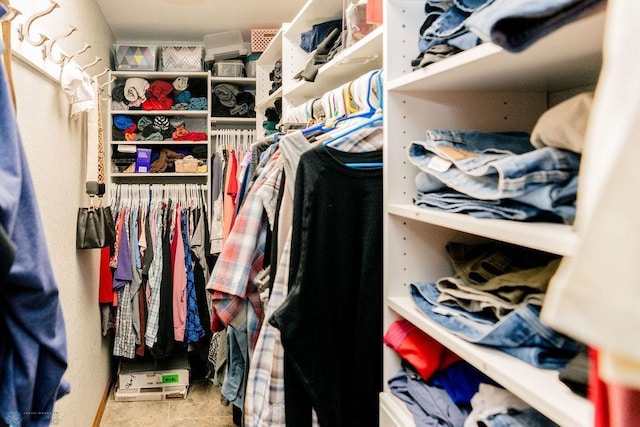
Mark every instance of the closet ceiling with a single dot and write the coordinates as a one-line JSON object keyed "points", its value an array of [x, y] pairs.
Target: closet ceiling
{"points": [[191, 20]]}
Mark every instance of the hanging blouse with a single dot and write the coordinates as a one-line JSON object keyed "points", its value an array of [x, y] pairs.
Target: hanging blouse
{"points": [[193, 328], [179, 280]]}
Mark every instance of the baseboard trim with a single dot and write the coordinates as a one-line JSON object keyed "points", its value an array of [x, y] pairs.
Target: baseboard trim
{"points": [[103, 402]]}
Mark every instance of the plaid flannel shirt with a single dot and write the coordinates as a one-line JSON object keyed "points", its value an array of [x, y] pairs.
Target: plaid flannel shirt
{"points": [[234, 295]]}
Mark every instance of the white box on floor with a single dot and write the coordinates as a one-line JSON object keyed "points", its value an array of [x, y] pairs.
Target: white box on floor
{"points": [[151, 393], [142, 374]]}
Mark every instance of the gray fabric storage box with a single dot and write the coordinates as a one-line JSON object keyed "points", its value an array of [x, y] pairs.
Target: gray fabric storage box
{"points": [[142, 58], [181, 58]]}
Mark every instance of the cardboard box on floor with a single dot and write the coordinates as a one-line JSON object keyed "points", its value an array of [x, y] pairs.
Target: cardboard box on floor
{"points": [[151, 393], [143, 374]]}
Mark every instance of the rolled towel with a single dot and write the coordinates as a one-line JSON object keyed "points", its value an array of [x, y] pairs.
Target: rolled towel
{"points": [[136, 88], [122, 106], [161, 123], [117, 93], [179, 133], [156, 136], [181, 83], [176, 121], [122, 121], [160, 89], [226, 94], [143, 122], [183, 97], [198, 104], [198, 87]]}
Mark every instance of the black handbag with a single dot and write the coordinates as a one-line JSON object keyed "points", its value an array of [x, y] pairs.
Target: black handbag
{"points": [[95, 227]]}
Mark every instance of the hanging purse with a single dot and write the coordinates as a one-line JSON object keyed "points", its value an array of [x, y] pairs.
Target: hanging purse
{"points": [[95, 227]]}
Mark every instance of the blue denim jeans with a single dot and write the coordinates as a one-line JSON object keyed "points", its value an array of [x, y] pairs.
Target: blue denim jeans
{"points": [[234, 381], [496, 407], [517, 24], [491, 166], [446, 26], [430, 405], [454, 202], [527, 417], [520, 333]]}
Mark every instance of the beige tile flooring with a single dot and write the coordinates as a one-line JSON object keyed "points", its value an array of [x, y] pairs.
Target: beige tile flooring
{"points": [[202, 407]]}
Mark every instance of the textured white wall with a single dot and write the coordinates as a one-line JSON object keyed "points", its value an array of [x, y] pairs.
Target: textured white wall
{"points": [[55, 151]]}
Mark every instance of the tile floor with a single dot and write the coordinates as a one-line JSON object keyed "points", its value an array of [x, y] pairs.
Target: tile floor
{"points": [[202, 407]]}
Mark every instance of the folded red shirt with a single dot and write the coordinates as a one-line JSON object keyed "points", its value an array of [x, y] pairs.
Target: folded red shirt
{"points": [[424, 353]]}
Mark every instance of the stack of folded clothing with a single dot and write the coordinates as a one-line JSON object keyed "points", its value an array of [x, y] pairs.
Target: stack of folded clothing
{"points": [[494, 299], [153, 128], [276, 76], [508, 175], [137, 93], [440, 389], [453, 26], [229, 101]]}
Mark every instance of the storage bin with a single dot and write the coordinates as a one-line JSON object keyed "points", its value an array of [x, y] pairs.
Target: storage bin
{"points": [[250, 64], [261, 38], [225, 45], [228, 68], [181, 58], [143, 58]]}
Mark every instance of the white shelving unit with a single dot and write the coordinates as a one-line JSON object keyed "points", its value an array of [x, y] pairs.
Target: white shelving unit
{"points": [[350, 63], [196, 120], [264, 66], [356, 60], [486, 89]]}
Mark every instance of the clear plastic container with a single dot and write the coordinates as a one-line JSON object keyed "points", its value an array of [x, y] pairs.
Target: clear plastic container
{"points": [[228, 44], [228, 68]]}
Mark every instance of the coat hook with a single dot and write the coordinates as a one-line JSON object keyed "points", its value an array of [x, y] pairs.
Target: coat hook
{"points": [[84, 49], [102, 88], [95, 61], [48, 49], [23, 29], [97, 76], [10, 16]]}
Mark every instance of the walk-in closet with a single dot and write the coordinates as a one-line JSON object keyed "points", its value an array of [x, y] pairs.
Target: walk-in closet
{"points": [[334, 213]]}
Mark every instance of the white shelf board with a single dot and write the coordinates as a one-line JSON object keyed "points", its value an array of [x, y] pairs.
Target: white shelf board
{"points": [[159, 175], [539, 387], [268, 102], [151, 75], [567, 58], [351, 63], [273, 52], [233, 120], [165, 142], [394, 412], [558, 239], [247, 81], [185, 113]]}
